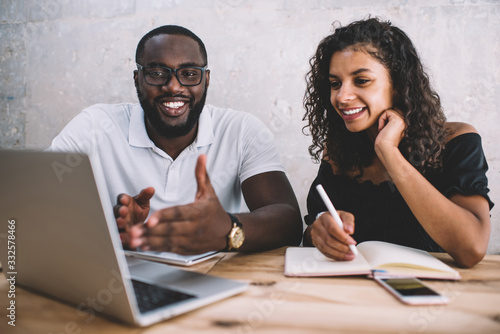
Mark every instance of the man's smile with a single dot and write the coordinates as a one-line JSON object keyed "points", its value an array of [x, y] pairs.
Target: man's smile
{"points": [[174, 108]]}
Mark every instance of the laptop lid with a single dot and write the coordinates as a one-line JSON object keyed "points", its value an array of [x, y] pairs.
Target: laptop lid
{"points": [[67, 245]]}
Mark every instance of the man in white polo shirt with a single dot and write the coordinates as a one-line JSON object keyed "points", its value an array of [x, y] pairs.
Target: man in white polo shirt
{"points": [[187, 163]]}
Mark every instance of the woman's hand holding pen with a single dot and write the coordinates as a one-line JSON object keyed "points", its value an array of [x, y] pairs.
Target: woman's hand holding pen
{"points": [[330, 239]]}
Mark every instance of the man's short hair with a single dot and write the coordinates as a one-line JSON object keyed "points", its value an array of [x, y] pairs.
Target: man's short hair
{"points": [[169, 30]]}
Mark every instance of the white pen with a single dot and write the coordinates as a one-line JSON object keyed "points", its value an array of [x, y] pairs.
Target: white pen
{"points": [[333, 212]]}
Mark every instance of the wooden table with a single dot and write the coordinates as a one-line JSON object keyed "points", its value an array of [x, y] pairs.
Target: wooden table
{"points": [[277, 304]]}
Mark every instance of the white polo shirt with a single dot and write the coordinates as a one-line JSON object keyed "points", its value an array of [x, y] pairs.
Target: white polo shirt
{"points": [[237, 145]]}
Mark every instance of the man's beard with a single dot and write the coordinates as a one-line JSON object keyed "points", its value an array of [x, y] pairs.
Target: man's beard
{"points": [[152, 116]]}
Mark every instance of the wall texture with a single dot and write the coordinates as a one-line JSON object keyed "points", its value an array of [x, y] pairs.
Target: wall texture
{"points": [[59, 56]]}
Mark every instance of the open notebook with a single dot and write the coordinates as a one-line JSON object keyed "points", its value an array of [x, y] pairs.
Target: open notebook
{"points": [[374, 256]]}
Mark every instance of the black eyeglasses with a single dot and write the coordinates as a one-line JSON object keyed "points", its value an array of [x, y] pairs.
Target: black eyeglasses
{"points": [[159, 75]]}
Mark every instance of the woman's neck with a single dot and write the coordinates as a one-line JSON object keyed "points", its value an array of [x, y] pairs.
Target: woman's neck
{"points": [[372, 132]]}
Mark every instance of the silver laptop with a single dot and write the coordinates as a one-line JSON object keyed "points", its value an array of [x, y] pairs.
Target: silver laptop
{"points": [[66, 245]]}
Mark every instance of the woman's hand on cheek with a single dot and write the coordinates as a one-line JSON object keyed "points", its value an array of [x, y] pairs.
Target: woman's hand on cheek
{"points": [[391, 126]]}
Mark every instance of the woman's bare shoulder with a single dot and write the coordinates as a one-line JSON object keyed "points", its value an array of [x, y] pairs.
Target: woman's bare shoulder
{"points": [[455, 129]]}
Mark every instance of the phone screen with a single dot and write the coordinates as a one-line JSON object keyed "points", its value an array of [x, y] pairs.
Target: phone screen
{"points": [[409, 287], [411, 291]]}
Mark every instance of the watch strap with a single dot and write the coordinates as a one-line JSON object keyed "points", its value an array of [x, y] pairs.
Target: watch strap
{"points": [[234, 220]]}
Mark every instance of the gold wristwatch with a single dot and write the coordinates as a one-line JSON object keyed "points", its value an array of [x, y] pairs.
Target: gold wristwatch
{"points": [[236, 236]]}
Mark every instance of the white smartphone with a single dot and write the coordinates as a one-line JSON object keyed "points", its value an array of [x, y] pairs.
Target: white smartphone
{"points": [[411, 290]]}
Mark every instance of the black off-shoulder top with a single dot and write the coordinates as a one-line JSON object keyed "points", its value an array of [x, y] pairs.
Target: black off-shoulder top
{"points": [[380, 211]]}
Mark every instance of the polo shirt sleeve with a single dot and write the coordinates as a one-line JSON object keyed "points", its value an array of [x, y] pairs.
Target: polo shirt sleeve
{"points": [[260, 154], [76, 136]]}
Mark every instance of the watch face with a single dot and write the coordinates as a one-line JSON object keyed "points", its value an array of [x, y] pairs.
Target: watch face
{"points": [[237, 238]]}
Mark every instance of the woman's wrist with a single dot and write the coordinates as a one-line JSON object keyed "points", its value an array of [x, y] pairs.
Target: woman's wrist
{"points": [[387, 154]]}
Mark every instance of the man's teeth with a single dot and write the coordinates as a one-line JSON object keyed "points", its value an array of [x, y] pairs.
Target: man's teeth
{"points": [[352, 111], [173, 104]]}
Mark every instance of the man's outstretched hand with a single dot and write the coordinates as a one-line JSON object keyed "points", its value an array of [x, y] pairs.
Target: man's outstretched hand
{"points": [[130, 211], [193, 228]]}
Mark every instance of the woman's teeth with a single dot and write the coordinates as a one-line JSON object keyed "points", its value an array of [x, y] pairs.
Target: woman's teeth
{"points": [[174, 104], [352, 111]]}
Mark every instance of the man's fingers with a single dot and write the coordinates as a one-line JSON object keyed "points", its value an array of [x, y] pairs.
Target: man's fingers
{"points": [[136, 236], [121, 223], [200, 170], [116, 210], [179, 244], [145, 195], [180, 213], [123, 199], [202, 178], [120, 212], [174, 228], [148, 240]]}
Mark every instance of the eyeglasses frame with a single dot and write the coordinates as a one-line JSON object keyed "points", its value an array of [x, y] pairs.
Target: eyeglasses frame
{"points": [[203, 69]]}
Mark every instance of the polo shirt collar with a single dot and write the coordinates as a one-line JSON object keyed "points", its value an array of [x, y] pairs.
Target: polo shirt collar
{"points": [[138, 136], [205, 135]]}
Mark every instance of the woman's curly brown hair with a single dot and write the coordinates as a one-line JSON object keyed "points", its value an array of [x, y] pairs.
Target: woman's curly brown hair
{"points": [[425, 135]]}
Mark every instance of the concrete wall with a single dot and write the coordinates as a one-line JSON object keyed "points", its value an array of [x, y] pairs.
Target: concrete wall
{"points": [[59, 56]]}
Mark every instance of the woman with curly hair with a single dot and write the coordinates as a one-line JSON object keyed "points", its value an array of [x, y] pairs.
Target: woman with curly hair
{"points": [[395, 169]]}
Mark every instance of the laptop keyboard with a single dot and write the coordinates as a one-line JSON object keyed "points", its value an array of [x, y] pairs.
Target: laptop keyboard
{"points": [[150, 297]]}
